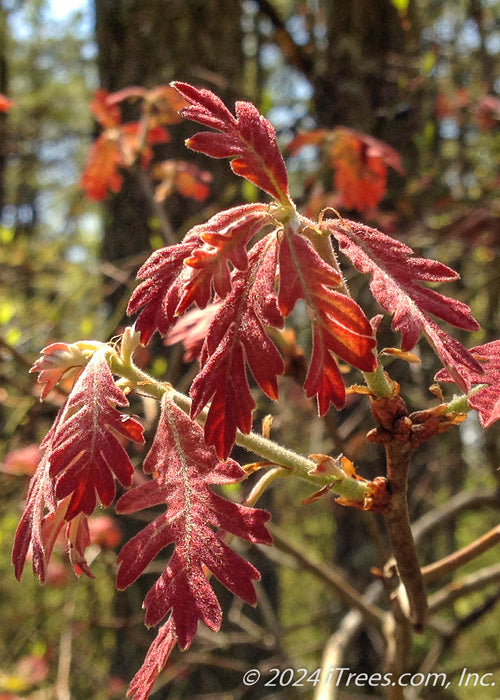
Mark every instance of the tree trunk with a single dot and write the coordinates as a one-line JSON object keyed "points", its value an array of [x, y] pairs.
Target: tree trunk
{"points": [[151, 42]]}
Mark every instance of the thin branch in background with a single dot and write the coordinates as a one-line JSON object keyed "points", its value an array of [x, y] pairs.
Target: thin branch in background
{"points": [[63, 687], [446, 641], [347, 593], [462, 556], [16, 355], [338, 644], [459, 589], [460, 503], [165, 227]]}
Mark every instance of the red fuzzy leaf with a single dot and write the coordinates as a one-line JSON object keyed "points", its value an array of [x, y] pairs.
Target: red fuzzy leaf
{"points": [[177, 276], [29, 530], [43, 519], [486, 399], [86, 452], [224, 239], [339, 324], [157, 296], [185, 467], [396, 284], [191, 330], [156, 658], [235, 335], [248, 139]]}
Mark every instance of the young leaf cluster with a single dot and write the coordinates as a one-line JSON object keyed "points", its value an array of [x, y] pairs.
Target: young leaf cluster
{"points": [[244, 271]]}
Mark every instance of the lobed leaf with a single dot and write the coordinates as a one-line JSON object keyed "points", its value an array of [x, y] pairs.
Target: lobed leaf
{"points": [[85, 450], [117, 147], [236, 336], [224, 239], [359, 162], [29, 530], [248, 139], [155, 661], [156, 298], [396, 278], [339, 324], [185, 467]]}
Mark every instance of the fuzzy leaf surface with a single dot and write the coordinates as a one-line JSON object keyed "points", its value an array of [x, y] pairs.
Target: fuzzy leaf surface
{"points": [[339, 324], [184, 468], [396, 283], [486, 400], [248, 139], [224, 239], [236, 337], [156, 298], [44, 518], [86, 453], [155, 661]]}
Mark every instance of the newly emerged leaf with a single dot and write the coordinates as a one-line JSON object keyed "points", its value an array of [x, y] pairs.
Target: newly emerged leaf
{"points": [[158, 295], [60, 358], [184, 468], [224, 239], [86, 453], [396, 283], [339, 324], [155, 661], [114, 149], [29, 530], [359, 162], [248, 139], [235, 335], [43, 519]]}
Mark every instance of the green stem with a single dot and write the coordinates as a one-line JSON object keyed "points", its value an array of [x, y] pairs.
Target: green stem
{"points": [[378, 383], [275, 454]]}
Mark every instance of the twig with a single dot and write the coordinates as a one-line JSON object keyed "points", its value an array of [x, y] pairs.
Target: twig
{"points": [[467, 585], [19, 357], [347, 593], [449, 510], [349, 487], [400, 535], [462, 556], [166, 230], [337, 646]]}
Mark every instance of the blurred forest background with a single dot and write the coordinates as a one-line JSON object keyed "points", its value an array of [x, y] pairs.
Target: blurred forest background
{"points": [[421, 76]]}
